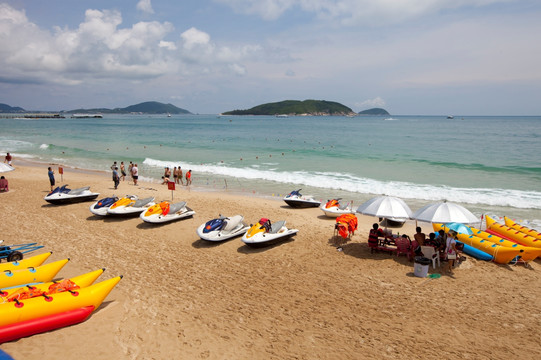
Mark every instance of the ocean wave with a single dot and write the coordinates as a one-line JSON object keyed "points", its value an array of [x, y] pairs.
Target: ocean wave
{"points": [[353, 184], [44, 146]]}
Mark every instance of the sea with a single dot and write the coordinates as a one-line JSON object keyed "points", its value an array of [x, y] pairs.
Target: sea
{"points": [[489, 164]]}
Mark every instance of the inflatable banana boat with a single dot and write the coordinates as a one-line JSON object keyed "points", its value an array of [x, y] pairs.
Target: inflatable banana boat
{"points": [[501, 254], [31, 275], [522, 229], [33, 261], [43, 313], [529, 254], [511, 234]]}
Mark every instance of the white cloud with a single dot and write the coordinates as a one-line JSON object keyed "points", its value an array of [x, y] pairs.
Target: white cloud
{"points": [[99, 48], [145, 6], [353, 11], [371, 103]]}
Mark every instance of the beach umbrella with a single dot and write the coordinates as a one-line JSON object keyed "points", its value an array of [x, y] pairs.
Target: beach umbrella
{"points": [[5, 168], [389, 207], [459, 228], [444, 212]]}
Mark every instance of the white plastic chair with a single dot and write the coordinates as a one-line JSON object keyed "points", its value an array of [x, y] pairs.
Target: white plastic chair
{"points": [[431, 253]]}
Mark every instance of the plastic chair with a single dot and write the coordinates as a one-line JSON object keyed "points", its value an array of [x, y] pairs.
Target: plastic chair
{"points": [[403, 247], [431, 253]]}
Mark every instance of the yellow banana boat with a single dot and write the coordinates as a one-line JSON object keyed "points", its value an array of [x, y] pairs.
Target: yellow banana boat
{"points": [[82, 281], [522, 229], [42, 306], [529, 254], [43, 273], [512, 234], [501, 254], [36, 260]]}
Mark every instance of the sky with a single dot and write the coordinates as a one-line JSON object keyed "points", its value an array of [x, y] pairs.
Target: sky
{"points": [[410, 57]]}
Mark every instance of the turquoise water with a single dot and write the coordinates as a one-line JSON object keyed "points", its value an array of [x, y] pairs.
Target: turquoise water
{"points": [[488, 164]]}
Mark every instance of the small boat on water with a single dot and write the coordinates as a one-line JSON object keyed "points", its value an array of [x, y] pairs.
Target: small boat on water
{"points": [[450, 117]]}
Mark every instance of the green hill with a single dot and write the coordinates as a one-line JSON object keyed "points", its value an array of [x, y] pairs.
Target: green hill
{"points": [[296, 107], [149, 107], [374, 111], [4, 108]]}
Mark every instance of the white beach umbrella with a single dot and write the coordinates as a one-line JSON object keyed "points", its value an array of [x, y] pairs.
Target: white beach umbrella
{"points": [[5, 168], [386, 207], [445, 212]]}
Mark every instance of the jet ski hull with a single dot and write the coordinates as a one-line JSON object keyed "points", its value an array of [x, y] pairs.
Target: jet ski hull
{"points": [[218, 236], [60, 199]]}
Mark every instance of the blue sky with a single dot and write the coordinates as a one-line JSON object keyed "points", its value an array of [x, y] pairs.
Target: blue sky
{"points": [[411, 57]]}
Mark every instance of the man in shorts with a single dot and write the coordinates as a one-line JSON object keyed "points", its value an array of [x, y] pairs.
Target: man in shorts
{"points": [[135, 174], [51, 177]]}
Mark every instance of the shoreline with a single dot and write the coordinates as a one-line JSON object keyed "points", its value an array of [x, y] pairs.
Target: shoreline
{"points": [[182, 297]]}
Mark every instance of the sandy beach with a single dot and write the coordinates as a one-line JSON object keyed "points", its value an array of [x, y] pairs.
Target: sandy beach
{"points": [[183, 298]]}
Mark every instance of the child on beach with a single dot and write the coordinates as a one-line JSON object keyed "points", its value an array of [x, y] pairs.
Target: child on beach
{"points": [[4, 186]]}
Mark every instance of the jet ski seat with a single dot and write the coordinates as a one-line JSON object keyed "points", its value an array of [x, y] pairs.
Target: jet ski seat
{"points": [[277, 226], [343, 206], [142, 202], [79, 190], [232, 222], [173, 208]]}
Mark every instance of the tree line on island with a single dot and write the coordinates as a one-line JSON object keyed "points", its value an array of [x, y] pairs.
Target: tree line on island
{"points": [[287, 107]]}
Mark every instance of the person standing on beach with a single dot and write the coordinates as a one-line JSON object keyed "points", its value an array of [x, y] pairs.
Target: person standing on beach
{"points": [[123, 170], [51, 177], [8, 159], [175, 175], [167, 173], [113, 166], [129, 169], [189, 177], [450, 251], [116, 178], [135, 174], [179, 179]]}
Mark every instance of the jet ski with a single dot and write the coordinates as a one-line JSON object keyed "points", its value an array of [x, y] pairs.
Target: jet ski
{"points": [[130, 205], [100, 207], [335, 208], [265, 233], [296, 200], [63, 195], [165, 212], [222, 228]]}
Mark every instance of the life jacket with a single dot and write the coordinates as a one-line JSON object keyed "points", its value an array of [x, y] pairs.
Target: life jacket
{"points": [[24, 293], [64, 285], [164, 205], [346, 225], [266, 223]]}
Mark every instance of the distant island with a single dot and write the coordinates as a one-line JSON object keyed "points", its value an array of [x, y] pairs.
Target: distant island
{"points": [[297, 108], [149, 107], [374, 111]]}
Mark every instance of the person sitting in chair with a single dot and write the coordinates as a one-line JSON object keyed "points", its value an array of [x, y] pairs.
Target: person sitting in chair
{"points": [[373, 236], [4, 186]]}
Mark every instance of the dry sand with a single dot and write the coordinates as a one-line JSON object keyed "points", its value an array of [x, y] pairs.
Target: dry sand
{"points": [[182, 298]]}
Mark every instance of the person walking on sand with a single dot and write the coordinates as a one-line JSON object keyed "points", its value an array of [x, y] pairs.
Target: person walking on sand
{"points": [[51, 177], [450, 251], [135, 174], [123, 170], [116, 178], [189, 177], [8, 159]]}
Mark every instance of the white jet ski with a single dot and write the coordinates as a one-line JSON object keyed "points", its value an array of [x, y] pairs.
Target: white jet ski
{"points": [[265, 233], [222, 228], [296, 200], [335, 208], [130, 205], [100, 207], [63, 195], [165, 212]]}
